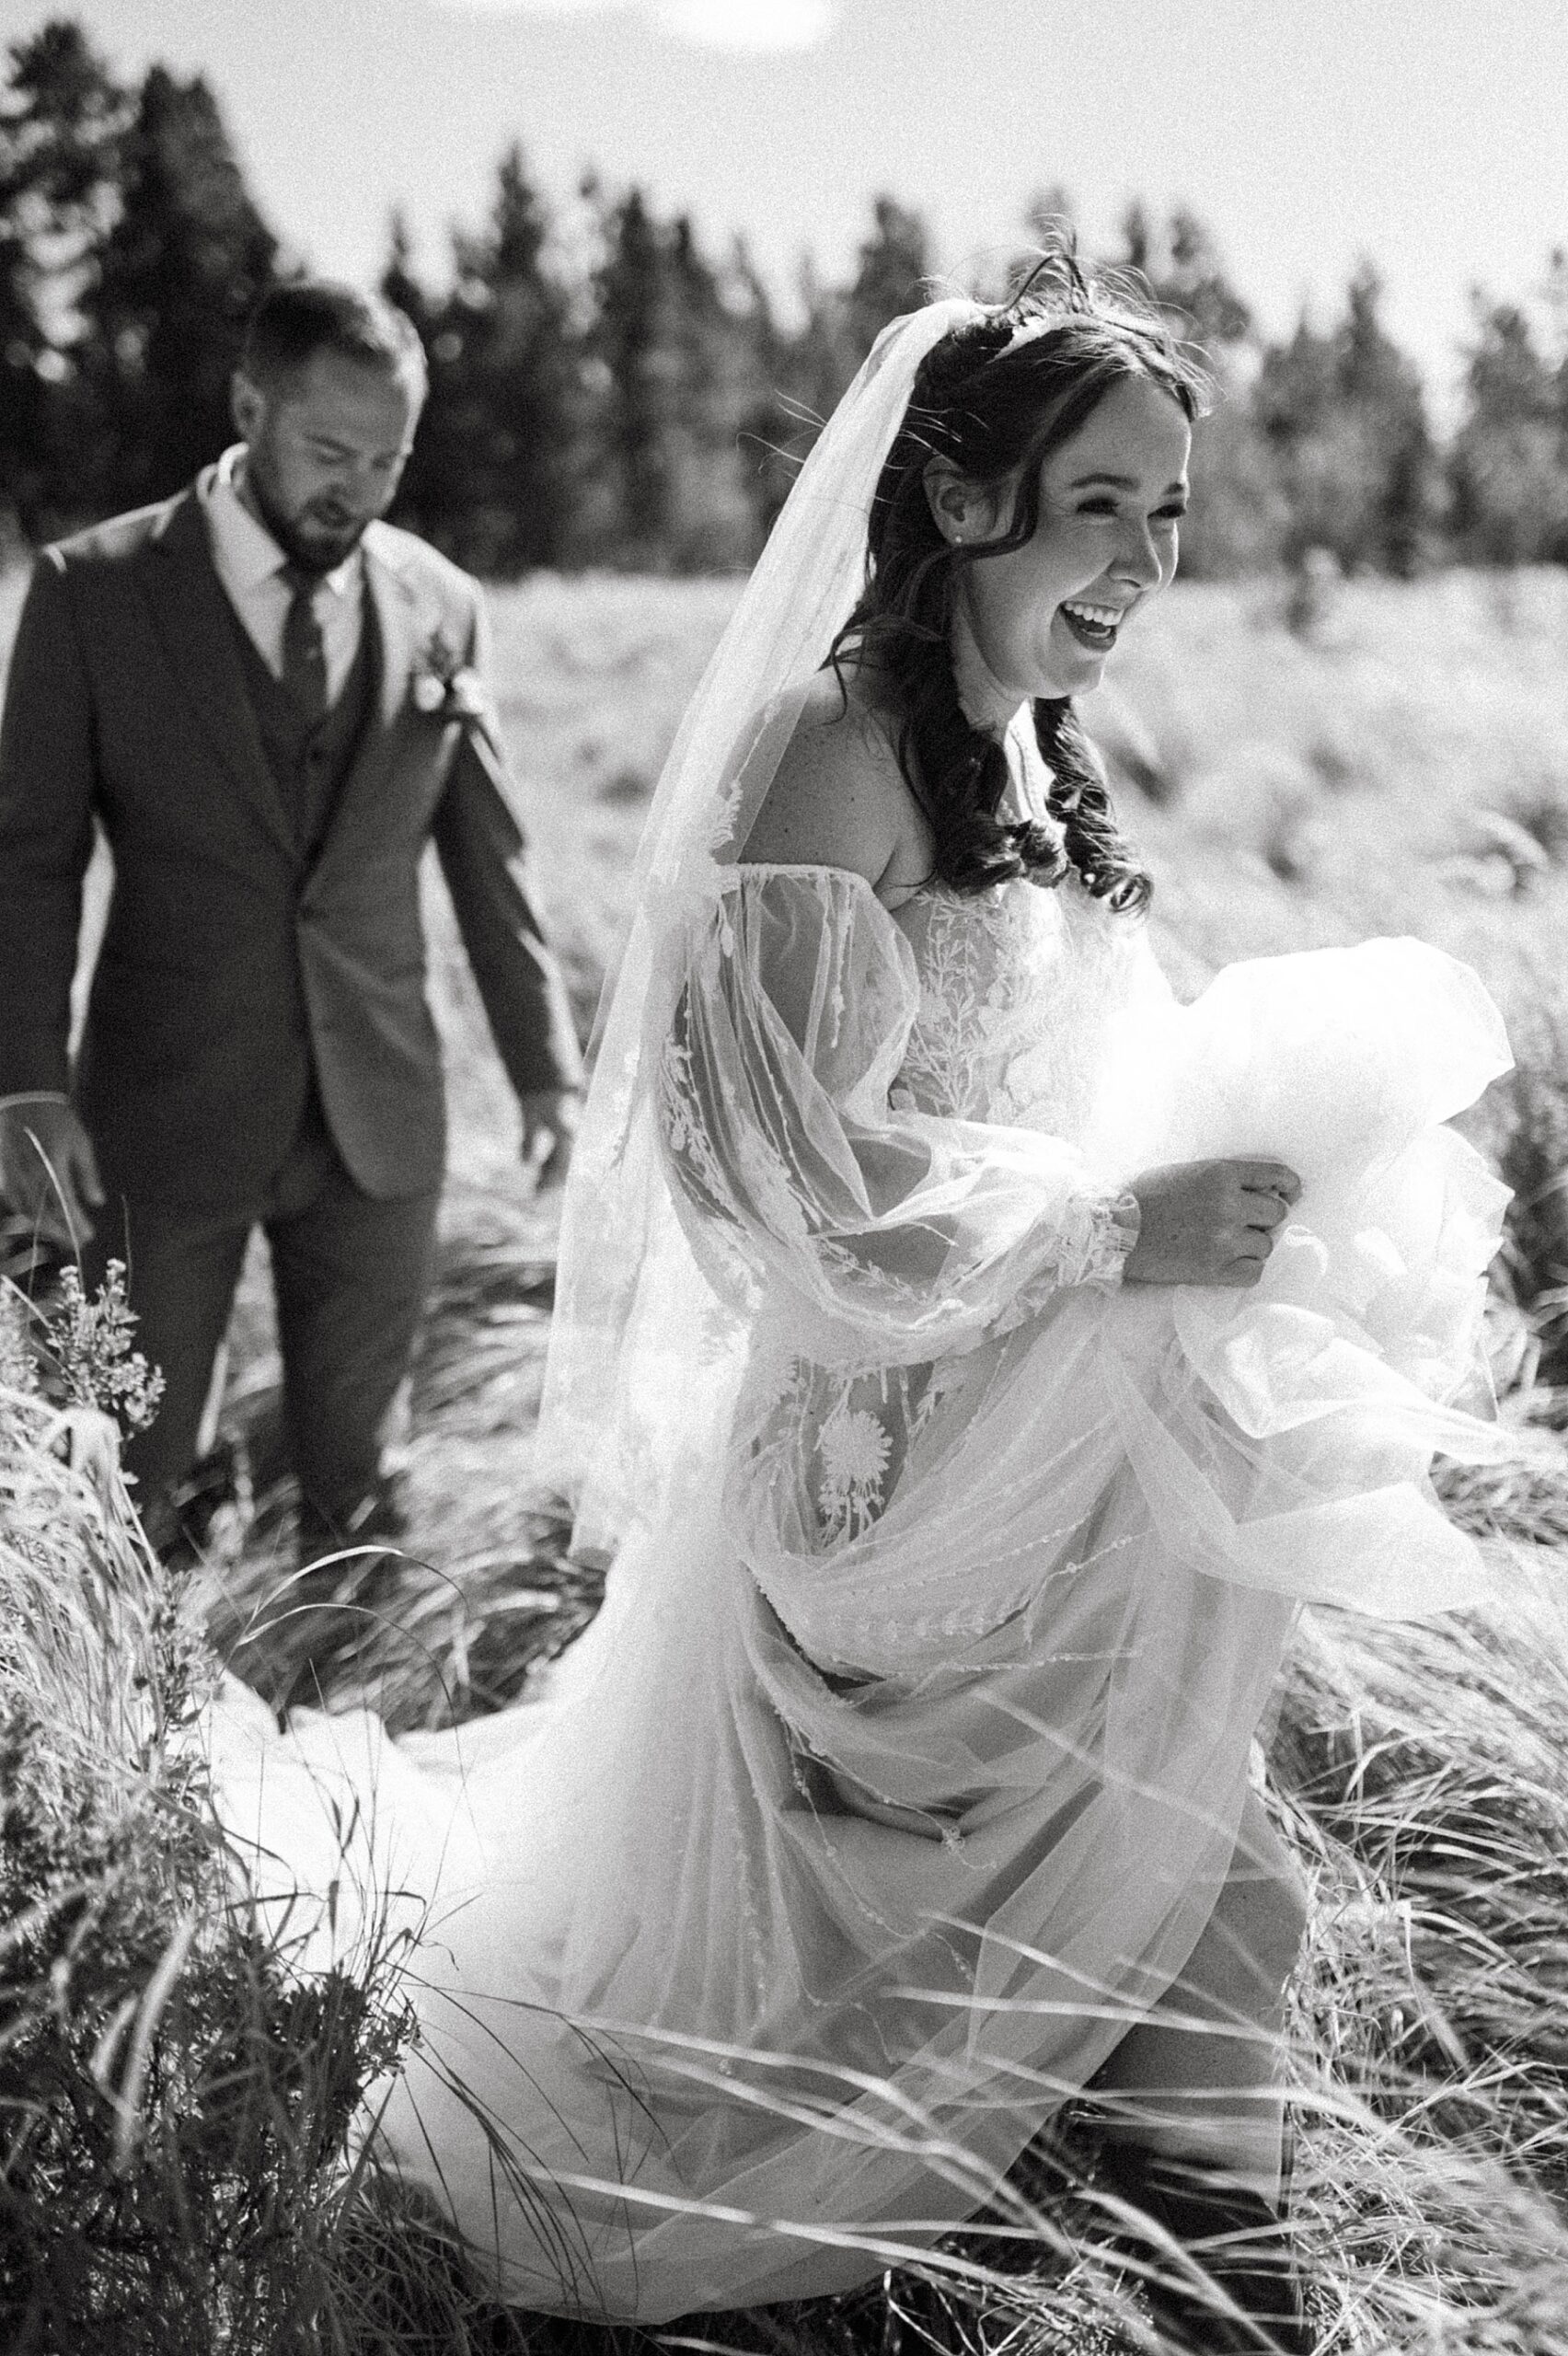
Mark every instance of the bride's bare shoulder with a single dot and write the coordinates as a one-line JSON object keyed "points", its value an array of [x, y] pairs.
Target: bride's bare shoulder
{"points": [[837, 797]]}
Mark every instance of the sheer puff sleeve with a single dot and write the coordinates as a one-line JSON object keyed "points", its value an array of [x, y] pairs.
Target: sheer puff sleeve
{"points": [[880, 1233]]}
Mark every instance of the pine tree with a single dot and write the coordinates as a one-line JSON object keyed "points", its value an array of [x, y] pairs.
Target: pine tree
{"points": [[1187, 276], [491, 477], [799, 375], [426, 501], [630, 341], [1508, 464], [676, 343], [820, 360], [399, 282], [810, 370], [1383, 389], [719, 329], [175, 280], [61, 123], [892, 273], [768, 423], [1345, 420]]}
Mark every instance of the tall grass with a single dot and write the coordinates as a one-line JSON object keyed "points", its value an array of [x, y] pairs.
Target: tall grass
{"points": [[174, 2102]]}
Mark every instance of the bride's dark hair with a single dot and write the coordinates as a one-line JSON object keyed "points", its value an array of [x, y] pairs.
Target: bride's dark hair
{"points": [[993, 407]]}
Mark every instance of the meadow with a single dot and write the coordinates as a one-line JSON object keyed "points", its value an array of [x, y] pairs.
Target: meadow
{"points": [[1301, 767]]}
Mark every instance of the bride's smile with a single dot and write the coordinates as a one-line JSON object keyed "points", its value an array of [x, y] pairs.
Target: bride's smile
{"points": [[1041, 618]]}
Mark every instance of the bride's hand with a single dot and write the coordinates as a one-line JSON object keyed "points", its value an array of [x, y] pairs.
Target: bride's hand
{"points": [[1208, 1222]]}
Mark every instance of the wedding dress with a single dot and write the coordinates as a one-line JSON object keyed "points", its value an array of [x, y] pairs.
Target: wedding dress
{"points": [[904, 1764]]}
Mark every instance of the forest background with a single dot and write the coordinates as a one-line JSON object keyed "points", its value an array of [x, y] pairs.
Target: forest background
{"points": [[606, 392]]}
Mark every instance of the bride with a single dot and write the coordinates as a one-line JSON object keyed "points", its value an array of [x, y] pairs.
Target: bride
{"points": [[972, 1359]]}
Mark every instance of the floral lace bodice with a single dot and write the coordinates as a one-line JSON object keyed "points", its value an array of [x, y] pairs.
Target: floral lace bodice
{"points": [[1016, 986]]}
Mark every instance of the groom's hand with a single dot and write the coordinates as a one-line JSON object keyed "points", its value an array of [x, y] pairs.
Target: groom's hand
{"points": [[550, 1124], [49, 1174], [1208, 1222]]}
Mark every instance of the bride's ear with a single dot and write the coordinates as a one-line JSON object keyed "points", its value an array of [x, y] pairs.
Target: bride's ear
{"points": [[960, 509]]}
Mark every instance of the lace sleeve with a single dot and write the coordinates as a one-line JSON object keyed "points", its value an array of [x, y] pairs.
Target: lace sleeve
{"points": [[1095, 1246], [901, 1230]]}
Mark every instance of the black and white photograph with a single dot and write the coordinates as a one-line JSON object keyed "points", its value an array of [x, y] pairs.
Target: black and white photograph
{"points": [[783, 1178]]}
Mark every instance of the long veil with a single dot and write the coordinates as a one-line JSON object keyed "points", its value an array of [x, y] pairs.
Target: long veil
{"points": [[642, 1357]]}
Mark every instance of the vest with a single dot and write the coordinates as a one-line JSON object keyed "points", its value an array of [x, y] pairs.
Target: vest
{"points": [[309, 765]]}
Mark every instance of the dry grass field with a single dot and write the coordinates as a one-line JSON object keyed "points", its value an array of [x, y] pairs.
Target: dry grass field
{"points": [[1394, 760]]}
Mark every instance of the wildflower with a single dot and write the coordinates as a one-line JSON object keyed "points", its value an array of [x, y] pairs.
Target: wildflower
{"points": [[90, 1347]]}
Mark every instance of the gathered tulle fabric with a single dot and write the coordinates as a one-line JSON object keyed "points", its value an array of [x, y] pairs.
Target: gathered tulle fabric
{"points": [[905, 1763]]}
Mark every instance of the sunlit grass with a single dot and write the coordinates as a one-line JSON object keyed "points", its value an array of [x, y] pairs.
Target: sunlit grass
{"points": [[174, 2102]]}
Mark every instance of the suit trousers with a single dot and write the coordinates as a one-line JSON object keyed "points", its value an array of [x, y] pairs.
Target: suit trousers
{"points": [[349, 1274]]}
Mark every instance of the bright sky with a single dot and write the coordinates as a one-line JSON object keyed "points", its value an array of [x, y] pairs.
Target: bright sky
{"points": [[1428, 134]]}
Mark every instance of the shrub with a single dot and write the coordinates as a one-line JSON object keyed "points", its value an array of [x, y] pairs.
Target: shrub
{"points": [[175, 2103]]}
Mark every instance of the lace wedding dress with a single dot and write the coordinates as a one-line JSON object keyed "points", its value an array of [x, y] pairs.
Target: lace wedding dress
{"points": [[906, 1759]]}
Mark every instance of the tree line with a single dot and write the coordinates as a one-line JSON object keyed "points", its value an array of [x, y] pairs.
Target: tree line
{"points": [[625, 396]]}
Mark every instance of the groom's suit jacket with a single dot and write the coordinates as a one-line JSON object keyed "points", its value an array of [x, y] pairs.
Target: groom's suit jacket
{"points": [[237, 961]]}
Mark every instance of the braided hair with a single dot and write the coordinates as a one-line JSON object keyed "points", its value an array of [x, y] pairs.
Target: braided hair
{"points": [[995, 402]]}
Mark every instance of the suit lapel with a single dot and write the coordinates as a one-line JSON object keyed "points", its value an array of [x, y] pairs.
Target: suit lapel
{"points": [[399, 644], [193, 617]]}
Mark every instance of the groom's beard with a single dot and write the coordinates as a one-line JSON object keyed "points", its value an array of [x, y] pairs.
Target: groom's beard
{"points": [[331, 538]]}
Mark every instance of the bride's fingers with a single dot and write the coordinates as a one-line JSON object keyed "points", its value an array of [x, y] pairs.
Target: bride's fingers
{"points": [[1274, 1178], [1264, 1207]]}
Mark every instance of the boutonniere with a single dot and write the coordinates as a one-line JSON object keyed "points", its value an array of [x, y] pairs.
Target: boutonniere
{"points": [[445, 688]]}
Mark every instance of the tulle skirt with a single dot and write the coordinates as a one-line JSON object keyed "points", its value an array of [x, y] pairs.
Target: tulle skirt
{"points": [[752, 1953]]}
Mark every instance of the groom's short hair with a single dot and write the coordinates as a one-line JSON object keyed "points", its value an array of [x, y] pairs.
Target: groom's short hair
{"points": [[295, 320]]}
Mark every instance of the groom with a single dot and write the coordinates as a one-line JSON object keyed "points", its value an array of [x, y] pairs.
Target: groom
{"points": [[269, 699]]}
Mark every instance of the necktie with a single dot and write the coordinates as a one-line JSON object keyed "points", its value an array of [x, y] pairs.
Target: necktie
{"points": [[305, 649]]}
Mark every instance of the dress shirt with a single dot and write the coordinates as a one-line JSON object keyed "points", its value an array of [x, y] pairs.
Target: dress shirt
{"points": [[249, 564]]}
